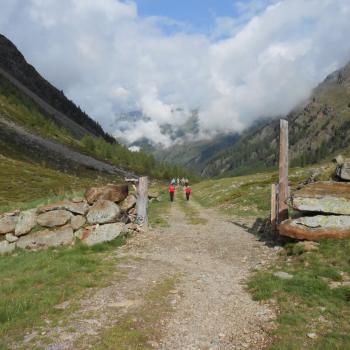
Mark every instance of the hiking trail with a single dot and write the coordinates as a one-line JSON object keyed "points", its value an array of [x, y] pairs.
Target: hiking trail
{"points": [[208, 306]]}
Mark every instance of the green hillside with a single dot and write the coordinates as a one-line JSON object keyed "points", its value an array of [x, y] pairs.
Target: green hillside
{"points": [[317, 130]]}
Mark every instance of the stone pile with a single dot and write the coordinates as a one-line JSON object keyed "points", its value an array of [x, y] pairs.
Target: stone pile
{"points": [[325, 209], [104, 214]]}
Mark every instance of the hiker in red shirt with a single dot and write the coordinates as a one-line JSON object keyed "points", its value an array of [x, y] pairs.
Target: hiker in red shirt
{"points": [[172, 192], [188, 192]]}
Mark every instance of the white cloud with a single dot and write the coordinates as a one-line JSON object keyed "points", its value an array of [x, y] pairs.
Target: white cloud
{"points": [[109, 59]]}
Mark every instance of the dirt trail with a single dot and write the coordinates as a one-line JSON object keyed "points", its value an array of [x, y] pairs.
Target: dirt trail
{"points": [[210, 307]]}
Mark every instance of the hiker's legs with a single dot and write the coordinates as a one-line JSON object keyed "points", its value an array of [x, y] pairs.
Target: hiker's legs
{"points": [[188, 196], [172, 196]]}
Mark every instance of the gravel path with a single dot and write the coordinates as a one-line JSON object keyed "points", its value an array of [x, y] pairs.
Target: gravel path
{"points": [[210, 307]]}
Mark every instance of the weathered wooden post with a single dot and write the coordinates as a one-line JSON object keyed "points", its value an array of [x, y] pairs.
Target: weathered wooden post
{"points": [[274, 209], [142, 202], [283, 173]]}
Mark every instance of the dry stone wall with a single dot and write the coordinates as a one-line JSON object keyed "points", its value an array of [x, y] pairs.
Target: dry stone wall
{"points": [[102, 215]]}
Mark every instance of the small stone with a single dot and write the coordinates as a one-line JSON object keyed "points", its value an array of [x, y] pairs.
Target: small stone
{"points": [[312, 335], [77, 222], [7, 223], [11, 238], [283, 275], [6, 247], [62, 306]]}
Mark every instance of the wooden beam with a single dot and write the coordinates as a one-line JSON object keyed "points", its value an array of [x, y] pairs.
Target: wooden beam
{"points": [[283, 173], [274, 210], [142, 202]]}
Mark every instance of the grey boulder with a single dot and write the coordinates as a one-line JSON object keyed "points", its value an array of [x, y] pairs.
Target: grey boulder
{"points": [[26, 222], [54, 218], [102, 212], [46, 238], [92, 235]]}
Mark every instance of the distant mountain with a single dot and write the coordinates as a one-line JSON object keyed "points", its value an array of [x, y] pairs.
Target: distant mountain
{"points": [[53, 102], [128, 120], [318, 128]]}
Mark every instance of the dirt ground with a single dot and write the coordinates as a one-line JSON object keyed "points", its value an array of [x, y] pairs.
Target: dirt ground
{"points": [[208, 306]]}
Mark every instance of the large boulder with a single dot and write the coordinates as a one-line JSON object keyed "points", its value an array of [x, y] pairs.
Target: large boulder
{"points": [[314, 228], [100, 233], [7, 223], [323, 197], [6, 247], [113, 193], [77, 222], [103, 212], [80, 208], [54, 218], [128, 203], [26, 222], [62, 236]]}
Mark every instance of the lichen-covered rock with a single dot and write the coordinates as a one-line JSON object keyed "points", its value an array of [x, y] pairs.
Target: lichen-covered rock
{"points": [[7, 223], [102, 212], [92, 235], [128, 203], [323, 197], [314, 228], [77, 222], [113, 193], [6, 247], [80, 208], [54, 218], [62, 236], [26, 222]]}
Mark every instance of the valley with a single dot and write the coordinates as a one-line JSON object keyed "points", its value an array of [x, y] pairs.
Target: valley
{"points": [[140, 214]]}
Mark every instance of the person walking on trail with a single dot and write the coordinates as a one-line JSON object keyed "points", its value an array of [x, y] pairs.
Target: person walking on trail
{"points": [[172, 190], [178, 181], [173, 181], [186, 182], [183, 181], [188, 192]]}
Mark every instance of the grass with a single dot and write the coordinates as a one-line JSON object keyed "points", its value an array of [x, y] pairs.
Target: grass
{"points": [[158, 210], [32, 283], [25, 185], [306, 302], [137, 330], [248, 196]]}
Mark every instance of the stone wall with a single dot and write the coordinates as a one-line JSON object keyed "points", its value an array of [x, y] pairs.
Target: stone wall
{"points": [[102, 215]]}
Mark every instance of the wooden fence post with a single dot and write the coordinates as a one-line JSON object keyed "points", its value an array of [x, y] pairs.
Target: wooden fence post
{"points": [[274, 209], [142, 202], [283, 173]]}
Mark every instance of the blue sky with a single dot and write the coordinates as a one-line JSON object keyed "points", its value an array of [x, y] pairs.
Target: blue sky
{"points": [[200, 14]]}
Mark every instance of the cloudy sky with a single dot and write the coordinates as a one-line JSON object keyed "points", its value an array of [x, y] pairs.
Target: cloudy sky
{"points": [[236, 61]]}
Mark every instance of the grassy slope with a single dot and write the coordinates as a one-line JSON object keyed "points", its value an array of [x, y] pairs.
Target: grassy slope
{"points": [[306, 303], [25, 185]]}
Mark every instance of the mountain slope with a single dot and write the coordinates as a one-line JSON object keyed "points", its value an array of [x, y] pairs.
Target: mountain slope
{"points": [[317, 129], [52, 101]]}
